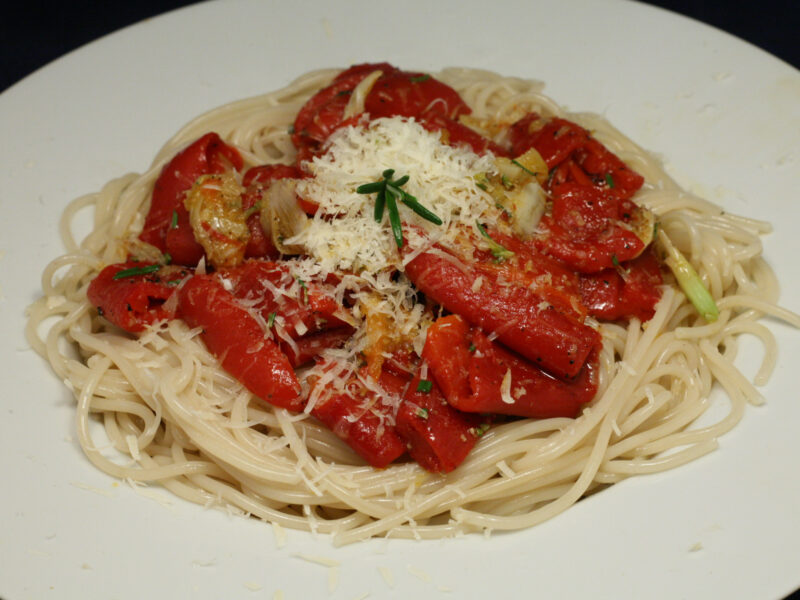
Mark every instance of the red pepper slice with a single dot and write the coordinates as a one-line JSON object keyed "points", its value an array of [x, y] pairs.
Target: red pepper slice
{"points": [[133, 302], [209, 154], [438, 436], [365, 69], [455, 133], [519, 315], [588, 229], [323, 113], [407, 94], [573, 155], [477, 387], [364, 420], [309, 347], [264, 286], [632, 290], [396, 93], [239, 342]]}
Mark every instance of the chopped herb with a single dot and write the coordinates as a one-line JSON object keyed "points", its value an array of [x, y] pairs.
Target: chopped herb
{"points": [[252, 210], [389, 193], [506, 182], [472, 348], [167, 258], [615, 260], [424, 386], [480, 429], [422, 413], [174, 223], [481, 181], [305, 290], [609, 180], [499, 252], [523, 167], [271, 319], [134, 271], [419, 78]]}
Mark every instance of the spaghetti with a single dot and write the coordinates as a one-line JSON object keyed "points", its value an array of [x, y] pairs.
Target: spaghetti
{"points": [[175, 417]]}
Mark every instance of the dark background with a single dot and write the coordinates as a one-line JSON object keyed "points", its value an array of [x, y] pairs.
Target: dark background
{"points": [[35, 32]]}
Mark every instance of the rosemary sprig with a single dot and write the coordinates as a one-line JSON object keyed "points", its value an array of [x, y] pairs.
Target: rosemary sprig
{"points": [[134, 271], [389, 192]]}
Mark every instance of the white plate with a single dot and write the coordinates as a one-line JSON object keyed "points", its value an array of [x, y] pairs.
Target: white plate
{"points": [[726, 117]]}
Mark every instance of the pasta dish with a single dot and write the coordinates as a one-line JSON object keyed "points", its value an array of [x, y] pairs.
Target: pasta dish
{"points": [[390, 303]]}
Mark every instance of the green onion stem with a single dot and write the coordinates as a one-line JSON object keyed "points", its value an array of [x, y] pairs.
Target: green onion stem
{"points": [[498, 251], [689, 280]]}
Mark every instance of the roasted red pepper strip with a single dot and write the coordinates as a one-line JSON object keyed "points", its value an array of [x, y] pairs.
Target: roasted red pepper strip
{"points": [[309, 347], [477, 387], [405, 94], [239, 342], [268, 287], [364, 420], [256, 181], [632, 290], [323, 114], [133, 302], [396, 93], [455, 133], [565, 145], [209, 154], [588, 229], [519, 315], [438, 436]]}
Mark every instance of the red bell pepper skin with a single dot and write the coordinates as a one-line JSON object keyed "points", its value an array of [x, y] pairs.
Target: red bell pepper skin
{"points": [[364, 421], [434, 104], [447, 353], [521, 316], [238, 341], [535, 393], [208, 154], [134, 302], [633, 290], [437, 436], [477, 387], [365, 69], [311, 346], [572, 154], [588, 229], [407, 94], [323, 114], [265, 286], [256, 181], [455, 133]]}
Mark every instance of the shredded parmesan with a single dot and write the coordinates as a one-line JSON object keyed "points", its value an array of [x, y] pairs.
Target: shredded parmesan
{"points": [[505, 388]]}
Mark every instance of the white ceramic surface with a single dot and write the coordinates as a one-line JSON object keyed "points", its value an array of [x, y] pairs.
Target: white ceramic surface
{"points": [[724, 115]]}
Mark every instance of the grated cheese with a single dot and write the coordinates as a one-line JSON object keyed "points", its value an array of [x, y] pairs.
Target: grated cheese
{"points": [[344, 239], [505, 388], [441, 178]]}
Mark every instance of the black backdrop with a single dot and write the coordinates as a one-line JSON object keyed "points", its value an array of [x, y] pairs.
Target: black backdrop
{"points": [[35, 32]]}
